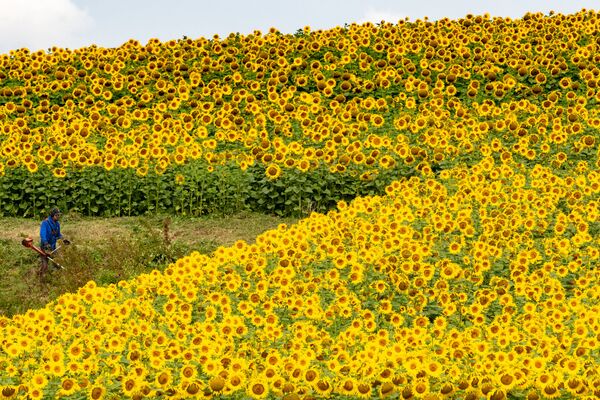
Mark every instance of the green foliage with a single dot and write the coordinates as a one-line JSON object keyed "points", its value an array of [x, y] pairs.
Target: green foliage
{"points": [[186, 190], [297, 194], [120, 192]]}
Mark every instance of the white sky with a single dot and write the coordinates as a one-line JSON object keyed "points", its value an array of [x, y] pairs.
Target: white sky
{"points": [[41, 24]]}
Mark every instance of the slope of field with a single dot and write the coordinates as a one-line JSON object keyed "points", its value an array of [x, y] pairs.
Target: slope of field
{"points": [[467, 285]]}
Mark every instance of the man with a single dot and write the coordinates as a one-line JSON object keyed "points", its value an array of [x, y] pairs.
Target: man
{"points": [[49, 234]]}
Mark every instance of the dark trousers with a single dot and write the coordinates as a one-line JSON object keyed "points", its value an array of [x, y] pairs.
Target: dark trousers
{"points": [[43, 265]]}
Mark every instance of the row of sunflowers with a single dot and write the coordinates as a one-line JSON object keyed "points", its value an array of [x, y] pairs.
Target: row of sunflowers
{"points": [[355, 100]]}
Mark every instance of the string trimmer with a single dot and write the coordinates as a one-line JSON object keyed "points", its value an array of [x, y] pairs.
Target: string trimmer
{"points": [[28, 242]]}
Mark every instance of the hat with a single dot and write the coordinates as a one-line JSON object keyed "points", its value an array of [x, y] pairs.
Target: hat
{"points": [[54, 211]]}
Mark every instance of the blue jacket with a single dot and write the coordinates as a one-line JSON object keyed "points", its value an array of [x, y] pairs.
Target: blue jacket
{"points": [[49, 233]]}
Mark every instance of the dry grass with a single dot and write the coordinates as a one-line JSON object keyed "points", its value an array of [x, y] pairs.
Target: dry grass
{"points": [[226, 231], [223, 231], [84, 230]]}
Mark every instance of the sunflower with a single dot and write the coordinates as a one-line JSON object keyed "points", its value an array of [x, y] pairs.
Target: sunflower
{"points": [[273, 171], [348, 387], [377, 120], [32, 167], [193, 388], [574, 385], [142, 171], [433, 368], [216, 383], [363, 390], [455, 247], [96, 392], [235, 381], [164, 379], [257, 389], [67, 387], [551, 391], [35, 393], [188, 372], [39, 381], [59, 172], [9, 392]]}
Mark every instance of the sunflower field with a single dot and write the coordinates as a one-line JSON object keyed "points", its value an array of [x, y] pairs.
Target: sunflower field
{"points": [[449, 173], [336, 114]]}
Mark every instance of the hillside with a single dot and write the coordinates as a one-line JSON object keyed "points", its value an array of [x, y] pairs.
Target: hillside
{"points": [[448, 172]]}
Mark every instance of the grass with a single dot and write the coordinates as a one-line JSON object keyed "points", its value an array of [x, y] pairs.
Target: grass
{"points": [[108, 250]]}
